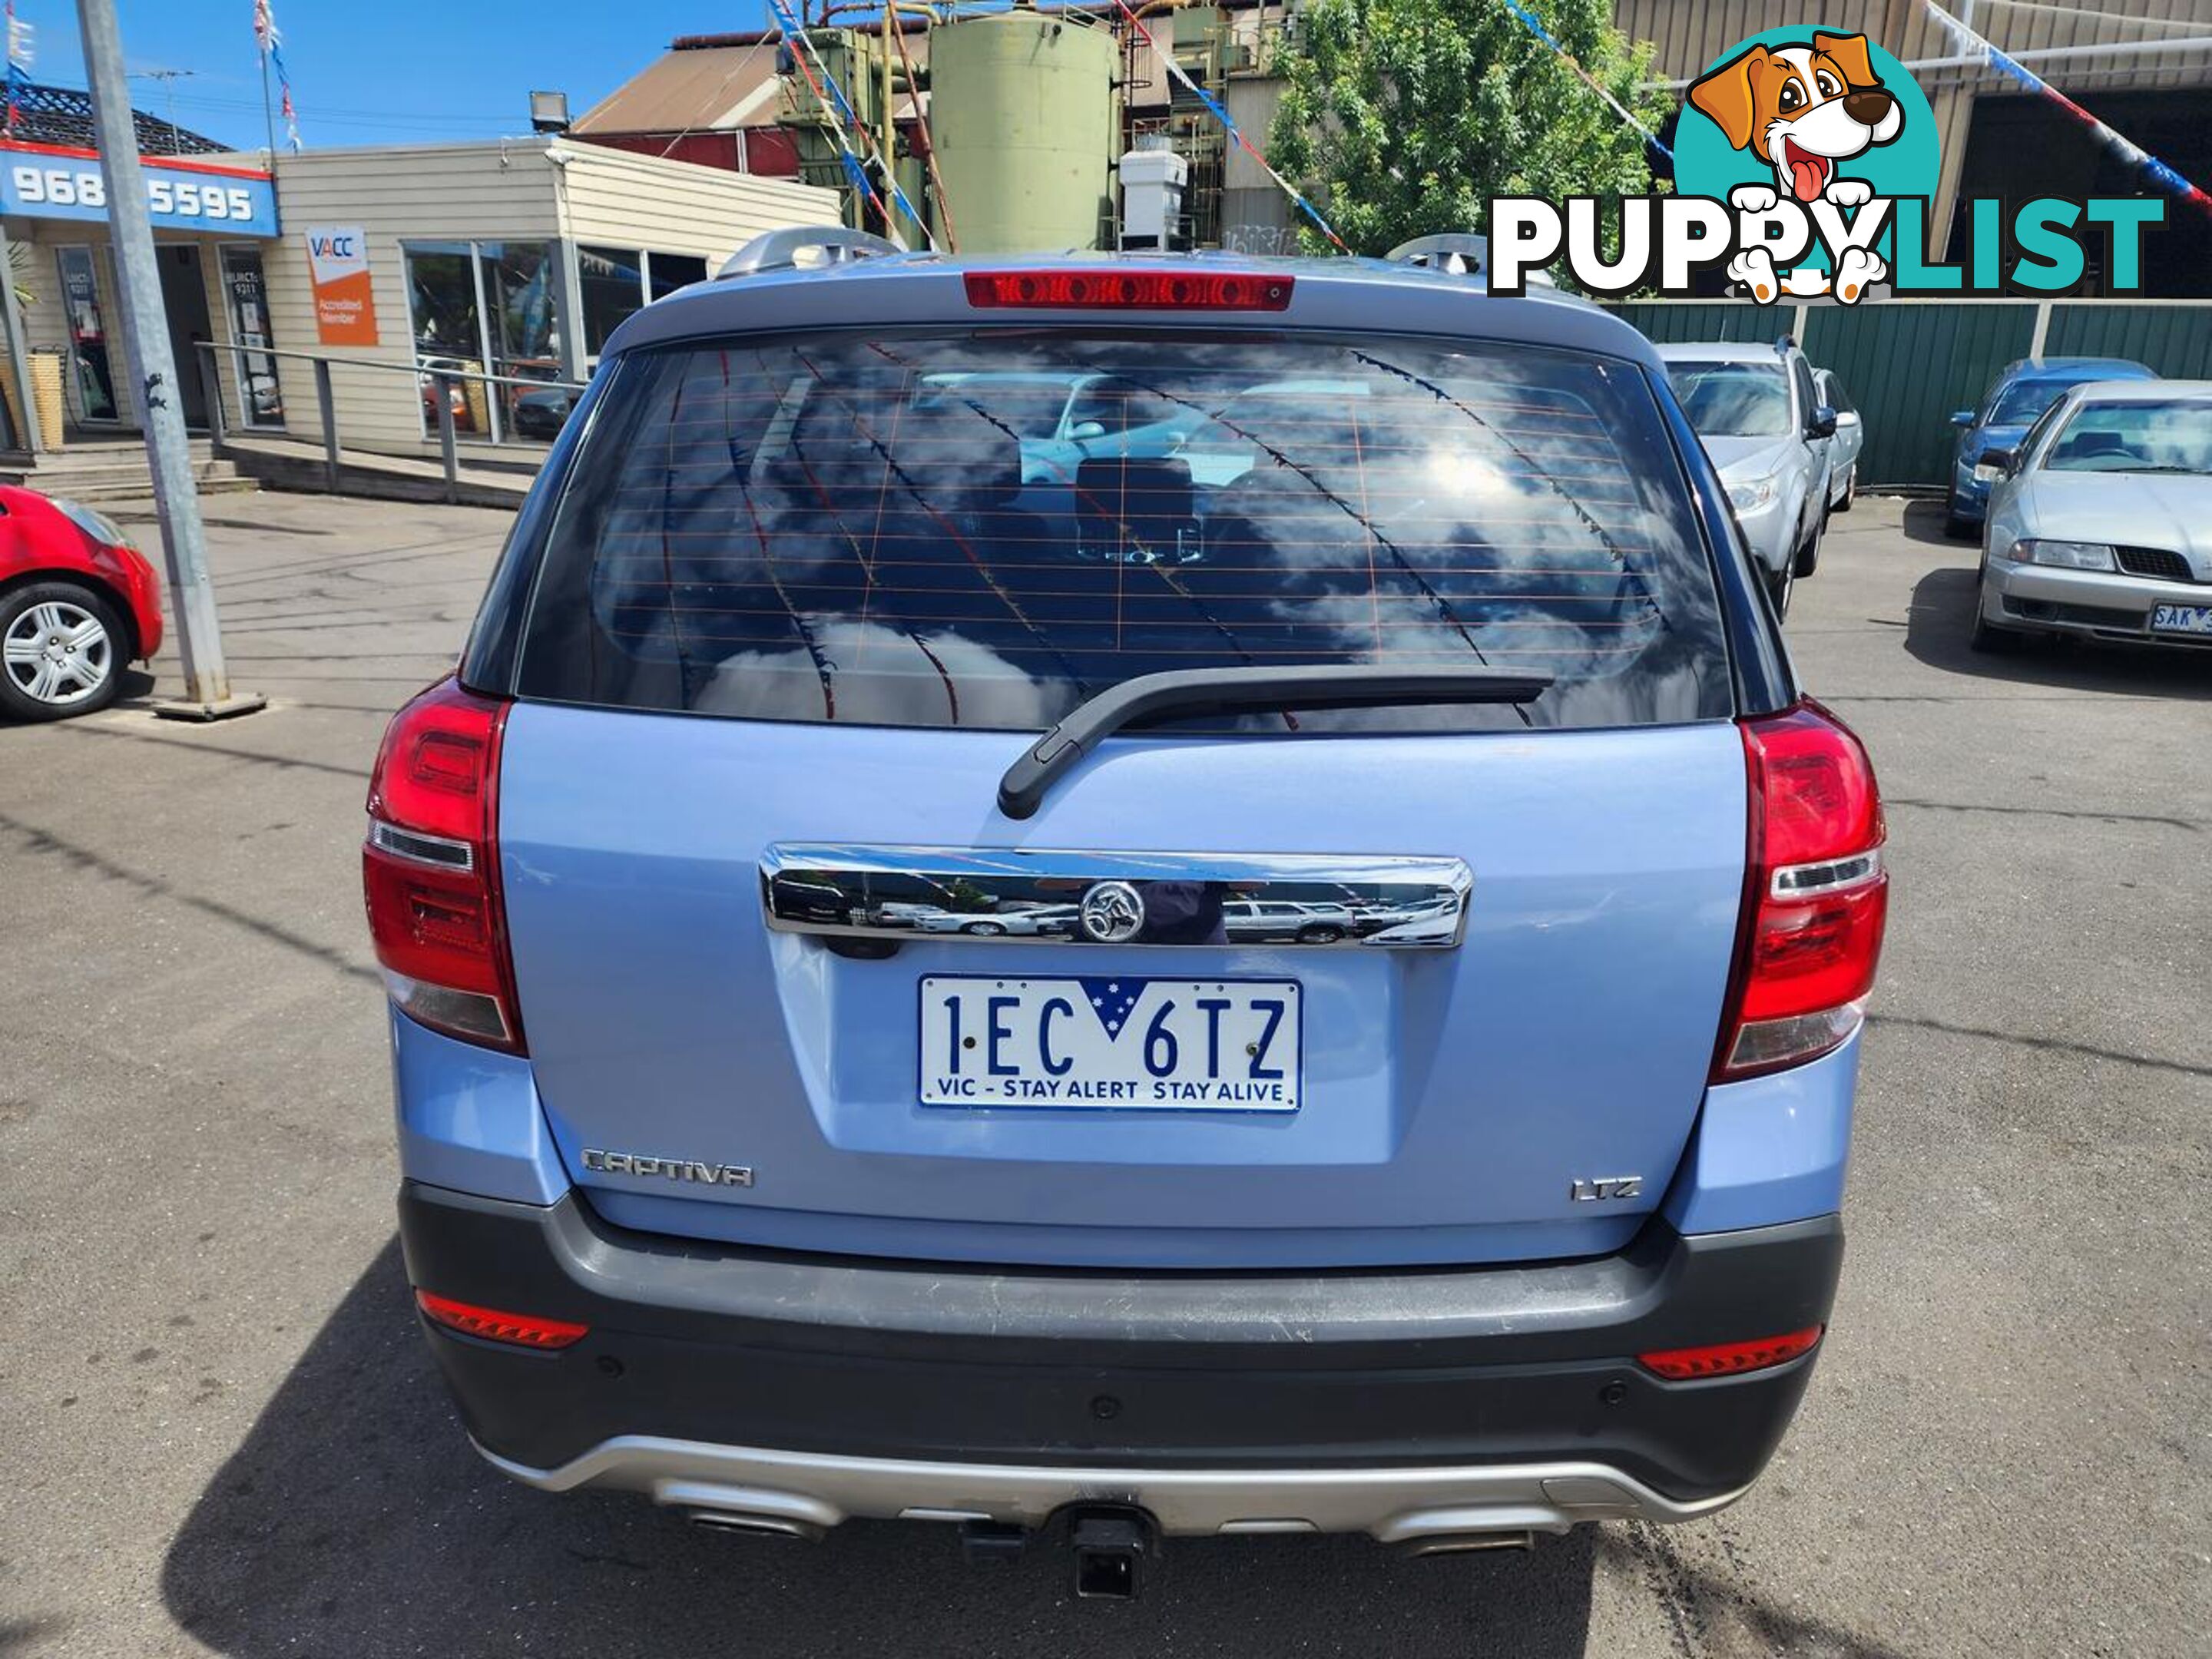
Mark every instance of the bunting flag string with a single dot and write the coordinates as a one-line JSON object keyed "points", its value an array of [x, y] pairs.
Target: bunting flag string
{"points": [[268, 38], [1215, 108], [21, 52], [2135, 155], [1531, 21], [827, 93]]}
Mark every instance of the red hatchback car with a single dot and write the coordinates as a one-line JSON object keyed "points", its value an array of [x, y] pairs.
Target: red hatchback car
{"points": [[78, 601]]}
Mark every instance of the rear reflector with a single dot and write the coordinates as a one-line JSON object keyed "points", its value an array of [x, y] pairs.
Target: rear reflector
{"points": [[1816, 894], [430, 867], [520, 1330], [1128, 290], [1730, 1358]]}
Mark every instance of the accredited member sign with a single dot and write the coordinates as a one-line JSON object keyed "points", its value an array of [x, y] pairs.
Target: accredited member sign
{"points": [[337, 264]]}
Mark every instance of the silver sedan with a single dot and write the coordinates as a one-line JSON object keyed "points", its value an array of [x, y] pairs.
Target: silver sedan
{"points": [[2101, 521]]}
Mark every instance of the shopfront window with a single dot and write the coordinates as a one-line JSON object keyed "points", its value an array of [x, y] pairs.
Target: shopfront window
{"points": [[246, 290], [613, 283], [522, 289], [619, 281], [89, 368], [670, 271], [484, 308]]}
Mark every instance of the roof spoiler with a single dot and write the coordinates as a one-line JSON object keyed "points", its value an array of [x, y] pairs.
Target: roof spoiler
{"points": [[1456, 253], [781, 250]]}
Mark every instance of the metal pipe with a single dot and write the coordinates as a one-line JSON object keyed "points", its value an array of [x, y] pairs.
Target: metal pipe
{"points": [[154, 374], [329, 407], [929, 142], [2067, 54], [442, 389], [2036, 55]]}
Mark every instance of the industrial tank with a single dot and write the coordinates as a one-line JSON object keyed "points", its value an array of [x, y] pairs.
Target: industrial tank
{"points": [[1021, 111]]}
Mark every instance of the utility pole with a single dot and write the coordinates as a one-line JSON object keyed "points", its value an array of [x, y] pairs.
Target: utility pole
{"points": [[153, 368]]}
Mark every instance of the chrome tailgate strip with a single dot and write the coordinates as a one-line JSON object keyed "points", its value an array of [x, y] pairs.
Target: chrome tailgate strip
{"points": [[1023, 896]]}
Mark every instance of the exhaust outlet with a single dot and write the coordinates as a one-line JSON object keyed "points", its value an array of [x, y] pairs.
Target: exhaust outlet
{"points": [[1466, 1543], [1111, 1547], [758, 1526]]}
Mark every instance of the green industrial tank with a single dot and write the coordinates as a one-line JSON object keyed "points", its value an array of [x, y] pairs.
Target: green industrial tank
{"points": [[1021, 110]]}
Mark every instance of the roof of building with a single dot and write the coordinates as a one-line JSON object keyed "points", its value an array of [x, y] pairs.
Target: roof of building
{"points": [[701, 84], [62, 115]]}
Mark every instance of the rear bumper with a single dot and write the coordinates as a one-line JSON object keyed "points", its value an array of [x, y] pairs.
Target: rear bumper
{"points": [[771, 1386], [805, 1493]]}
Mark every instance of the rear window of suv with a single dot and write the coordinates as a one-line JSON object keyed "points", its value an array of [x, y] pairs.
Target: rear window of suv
{"points": [[983, 529]]}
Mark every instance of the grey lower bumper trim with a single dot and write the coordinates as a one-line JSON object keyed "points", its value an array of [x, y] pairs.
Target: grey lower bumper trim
{"points": [[810, 1491]]}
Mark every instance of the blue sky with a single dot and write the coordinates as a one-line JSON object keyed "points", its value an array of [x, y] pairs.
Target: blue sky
{"points": [[394, 72]]}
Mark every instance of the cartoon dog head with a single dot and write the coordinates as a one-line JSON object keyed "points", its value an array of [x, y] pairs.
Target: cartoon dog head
{"points": [[1802, 109]]}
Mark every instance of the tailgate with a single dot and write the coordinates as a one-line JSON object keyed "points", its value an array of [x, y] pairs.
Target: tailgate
{"points": [[1444, 1102]]}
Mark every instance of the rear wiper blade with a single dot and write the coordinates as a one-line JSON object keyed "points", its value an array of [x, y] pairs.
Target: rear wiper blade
{"points": [[1184, 693]]}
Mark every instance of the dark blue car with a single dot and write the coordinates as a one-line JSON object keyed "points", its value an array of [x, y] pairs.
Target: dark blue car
{"points": [[2020, 393]]}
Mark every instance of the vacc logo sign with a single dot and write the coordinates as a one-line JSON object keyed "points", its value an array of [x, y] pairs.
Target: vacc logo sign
{"points": [[337, 266], [1806, 160]]}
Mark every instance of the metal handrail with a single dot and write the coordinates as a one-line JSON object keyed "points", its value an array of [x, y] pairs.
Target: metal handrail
{"points": [[337, 361], [441, 380]]}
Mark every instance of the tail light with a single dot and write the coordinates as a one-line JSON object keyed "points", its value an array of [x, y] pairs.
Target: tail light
{"points": [[1108, 290], [1816, 894], [430, 868], [523, 1330], [1730, 1358]]}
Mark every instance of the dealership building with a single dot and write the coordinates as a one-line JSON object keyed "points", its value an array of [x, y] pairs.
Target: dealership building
{"points": [[513, 259]]}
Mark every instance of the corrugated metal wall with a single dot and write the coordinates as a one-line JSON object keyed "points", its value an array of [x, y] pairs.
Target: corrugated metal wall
{"points": [[1907, 368], [2175, 340], [1907, 364]]}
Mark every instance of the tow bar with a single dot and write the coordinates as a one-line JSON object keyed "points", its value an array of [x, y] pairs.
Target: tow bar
{"points": [[1111, 1545]]}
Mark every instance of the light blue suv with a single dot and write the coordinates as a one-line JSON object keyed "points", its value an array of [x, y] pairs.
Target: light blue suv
{"points": [[1505, 1202]]}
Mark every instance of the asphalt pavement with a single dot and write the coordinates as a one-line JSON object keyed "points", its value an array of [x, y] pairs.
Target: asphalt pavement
{"points": [[223, 1434]]}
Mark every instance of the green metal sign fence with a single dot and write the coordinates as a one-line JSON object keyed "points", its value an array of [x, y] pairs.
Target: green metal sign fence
{"points": [[1907, 364]]}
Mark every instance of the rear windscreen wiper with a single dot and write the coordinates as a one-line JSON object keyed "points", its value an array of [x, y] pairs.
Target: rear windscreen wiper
{"points": [[1184, 693]]}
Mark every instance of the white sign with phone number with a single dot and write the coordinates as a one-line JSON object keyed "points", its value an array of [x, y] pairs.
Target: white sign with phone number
{"points": [[80, 192]]}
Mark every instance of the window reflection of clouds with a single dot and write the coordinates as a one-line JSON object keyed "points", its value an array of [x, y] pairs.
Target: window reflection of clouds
{"points": [[866, 531]]}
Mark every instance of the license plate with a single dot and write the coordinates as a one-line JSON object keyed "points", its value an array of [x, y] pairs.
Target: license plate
{"points": [[1111, 1043], [2181, 619]]}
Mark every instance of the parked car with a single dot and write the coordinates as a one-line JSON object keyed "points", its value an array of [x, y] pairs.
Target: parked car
{"points": [[1248, 428], [2101, 522], [2022, 390], [542, 412], [1064, 419], [1255, 921], [427, 371], [77, 602], [1029, 923], [720, 1191], [1756, 411], [1846, 447]]}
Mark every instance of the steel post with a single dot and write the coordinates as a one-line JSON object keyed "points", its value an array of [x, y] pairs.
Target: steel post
{"points": [[442, 389], [153, 371], [328, 405]]}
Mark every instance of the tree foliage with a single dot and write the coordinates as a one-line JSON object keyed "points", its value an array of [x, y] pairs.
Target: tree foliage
{"points": [[1403, 118]]}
